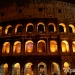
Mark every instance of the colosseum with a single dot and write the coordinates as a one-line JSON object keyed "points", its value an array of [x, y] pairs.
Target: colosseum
{"points": [[37, 38]]}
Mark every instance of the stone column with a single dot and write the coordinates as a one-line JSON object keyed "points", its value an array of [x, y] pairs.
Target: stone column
{"points": [[23, 46]]}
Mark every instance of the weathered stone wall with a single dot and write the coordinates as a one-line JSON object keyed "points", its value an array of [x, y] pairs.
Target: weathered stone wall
{"points": [[39, 9]]}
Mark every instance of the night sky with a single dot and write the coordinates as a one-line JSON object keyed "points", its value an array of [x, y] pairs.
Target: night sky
{"points": [[6, 2]]}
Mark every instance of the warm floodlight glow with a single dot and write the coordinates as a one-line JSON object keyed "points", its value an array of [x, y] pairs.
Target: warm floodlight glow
{"points": [[65, 46], [17, 47], [6, 47], [53, 26], [17, 27], [53, 46], [73, 46], [72, 26], [7, 27], [43, 26], [29, 46], [41, 46], [62, 24]]}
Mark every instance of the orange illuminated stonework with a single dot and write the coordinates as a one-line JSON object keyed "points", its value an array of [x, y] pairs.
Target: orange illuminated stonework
{"points": [[37, 38]]}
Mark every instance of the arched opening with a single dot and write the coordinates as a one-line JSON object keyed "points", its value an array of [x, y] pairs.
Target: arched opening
{"points": [[16, 69], [6, 47], [66, 67], [28, 69], [29, 27], [53, 46], [41, 46], [65, 46], [17, 47], [62, 27], [40, 27], [42, 68], [29, 46], [8, 29], [73, 46], [55, 69], [51, 27], [71, 28], [4, 69], [18, 28], [0, 29]]}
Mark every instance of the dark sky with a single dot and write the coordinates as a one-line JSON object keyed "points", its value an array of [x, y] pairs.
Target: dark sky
{"points": [[6, 2]]}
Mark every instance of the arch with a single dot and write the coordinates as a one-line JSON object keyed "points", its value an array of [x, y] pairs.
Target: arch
{"points": [[8, 29], [1, 29], [67, 66], [41, 46], [17, 47], [62, 27], [71, 28], [16, 69], [42, 68], [52, 27], [29, 46], [6, 47], [55, 69], [40, 27], [53, 46], [28, 69], [18, 28], [4, 69], [29, 27], [73, 46], [65, 46]]}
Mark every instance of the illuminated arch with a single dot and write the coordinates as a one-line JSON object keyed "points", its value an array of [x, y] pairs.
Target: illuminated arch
{"points": [[28, 70], [42, 68], [64, 27], [65, 46], [53, 28], [29, 26], [73, 46], [71, 28], [1, 29], [40, 27], [4, 69], [16, 69], [7, 28], [53, 46], [67, 66], [17, 47], [29, 46], [6, 47], [17, 26], [55, 69], [41, 46]]}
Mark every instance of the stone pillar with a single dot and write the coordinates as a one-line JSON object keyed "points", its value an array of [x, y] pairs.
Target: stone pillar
{"points": [[11, 47], [35, 45], [22, 68], [48, 68], [3, 30], [10, 69], [34, 68], [48, 45], [13, 29], [23, 46]]}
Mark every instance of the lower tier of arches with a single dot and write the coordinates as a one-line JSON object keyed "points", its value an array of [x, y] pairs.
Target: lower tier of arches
{"points": [[33, 65]]}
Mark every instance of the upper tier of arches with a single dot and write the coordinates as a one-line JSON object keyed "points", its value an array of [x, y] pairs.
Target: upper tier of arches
{"points": [[40, 27]]}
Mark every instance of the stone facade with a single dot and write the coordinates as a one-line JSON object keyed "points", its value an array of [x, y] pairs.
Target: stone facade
{"points": [[57, 25]]}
